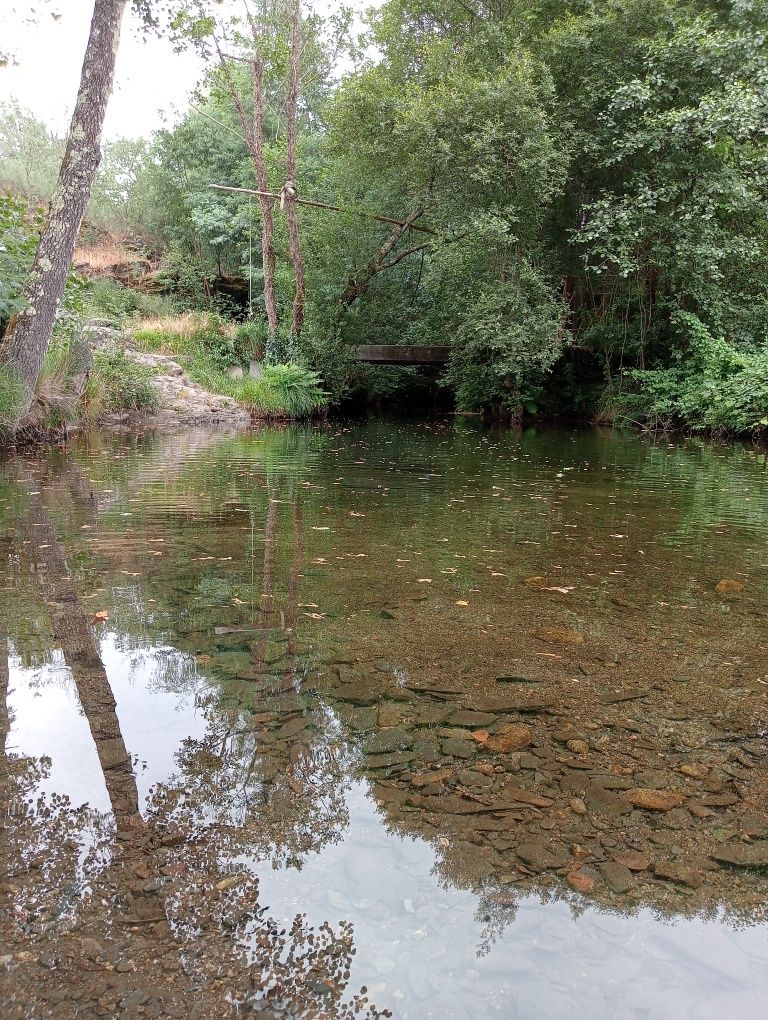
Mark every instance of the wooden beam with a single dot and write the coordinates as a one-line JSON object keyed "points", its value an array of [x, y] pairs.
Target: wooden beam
{"points": [[402, 354], [324, 205]]}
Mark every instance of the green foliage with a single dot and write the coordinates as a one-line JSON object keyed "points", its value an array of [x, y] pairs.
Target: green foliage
{"points": [[119, 384], [11, 397], [251, 338], [713, 386], [290, 390], [508, 340], [108, 299], [19, 226]]}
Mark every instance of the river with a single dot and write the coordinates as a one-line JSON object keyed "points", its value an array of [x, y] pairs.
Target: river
{"points": [[422, 720]]}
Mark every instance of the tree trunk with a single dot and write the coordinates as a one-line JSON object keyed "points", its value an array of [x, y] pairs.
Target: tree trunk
{"points": [[73, 634], [28, 336], [291, 112]]}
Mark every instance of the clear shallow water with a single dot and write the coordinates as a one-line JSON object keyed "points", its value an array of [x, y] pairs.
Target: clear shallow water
{"points": [[303, 627]]}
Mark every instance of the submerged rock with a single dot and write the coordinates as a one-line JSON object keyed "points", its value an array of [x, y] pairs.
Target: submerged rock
{"points": [[654, 800]]}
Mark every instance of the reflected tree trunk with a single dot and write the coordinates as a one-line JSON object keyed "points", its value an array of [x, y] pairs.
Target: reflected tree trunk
{"points": [[73, 634]]}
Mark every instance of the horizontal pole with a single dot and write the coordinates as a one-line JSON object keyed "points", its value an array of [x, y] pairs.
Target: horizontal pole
{"points": [[324, 205]]}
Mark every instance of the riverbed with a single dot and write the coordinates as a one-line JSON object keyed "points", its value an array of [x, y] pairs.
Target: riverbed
{"points": [[422, 720]]}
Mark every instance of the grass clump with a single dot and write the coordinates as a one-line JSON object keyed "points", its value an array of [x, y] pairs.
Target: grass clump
{"points": [[289, 390], [11, 397], [119, 384]]}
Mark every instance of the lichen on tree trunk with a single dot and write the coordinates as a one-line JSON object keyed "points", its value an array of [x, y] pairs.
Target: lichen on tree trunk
{"points": [[26, 342]]}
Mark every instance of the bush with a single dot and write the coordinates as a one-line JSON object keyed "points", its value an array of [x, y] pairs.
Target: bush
{"points": [[11, 397], [19, 227], [713, 387], [146, 305], [251, 339], [119, 384], [108, 299], [290, 390]]}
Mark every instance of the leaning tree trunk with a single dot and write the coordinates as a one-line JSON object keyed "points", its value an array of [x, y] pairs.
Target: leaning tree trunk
{"points": [[291, 111], [29, 334]]}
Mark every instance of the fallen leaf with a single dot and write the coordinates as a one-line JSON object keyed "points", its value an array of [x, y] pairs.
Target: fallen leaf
{"points": [[461, 602], [100, 616], [425, 580]]}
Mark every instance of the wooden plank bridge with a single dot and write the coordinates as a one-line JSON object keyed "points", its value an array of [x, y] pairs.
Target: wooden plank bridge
{"points": [[396, 354]]}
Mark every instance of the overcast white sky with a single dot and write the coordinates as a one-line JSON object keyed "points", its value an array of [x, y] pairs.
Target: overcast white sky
{"points": [[151, 83], [151, 80]]}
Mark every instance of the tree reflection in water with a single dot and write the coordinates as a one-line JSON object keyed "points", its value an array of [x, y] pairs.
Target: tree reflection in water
{"points": [[183, 873]]}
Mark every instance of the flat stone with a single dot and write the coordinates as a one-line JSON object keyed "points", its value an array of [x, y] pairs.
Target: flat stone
{"points": [[518, 795], [459, 747], [541, 858], [388, 761], [500, 703], [359, 692], [513, 737], [385, 741], [718, 800], [743, 855], [606, 803], [618, 878], [632, 859], [654, 800], [471, 720], [672, 871], [471, 777]]}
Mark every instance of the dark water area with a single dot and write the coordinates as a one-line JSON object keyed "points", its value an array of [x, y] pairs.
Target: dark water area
{"points": [[419, 720]]}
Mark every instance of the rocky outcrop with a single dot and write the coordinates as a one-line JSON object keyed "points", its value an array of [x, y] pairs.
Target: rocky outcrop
{"points": [[184, 402]]}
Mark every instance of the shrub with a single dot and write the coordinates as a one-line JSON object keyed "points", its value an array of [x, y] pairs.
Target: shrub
{"points": [[251, 339], [19, 226], [11, 397], [119, 384], [154, 304], [713, 386], [108, 299], [290, 390]]}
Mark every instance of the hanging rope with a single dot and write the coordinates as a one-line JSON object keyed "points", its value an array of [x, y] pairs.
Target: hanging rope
{"points": [[250, 256]]}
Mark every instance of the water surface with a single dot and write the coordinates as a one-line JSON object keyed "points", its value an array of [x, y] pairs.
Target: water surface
{"points": [[422, 720]]}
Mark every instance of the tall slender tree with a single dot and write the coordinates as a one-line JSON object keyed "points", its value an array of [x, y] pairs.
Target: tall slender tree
{"points": [[29, 333]]}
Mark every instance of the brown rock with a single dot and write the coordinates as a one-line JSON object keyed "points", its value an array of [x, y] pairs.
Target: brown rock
{"points": [[729, 586], [580, 882], [578, 806], [694, 770], [654, 800], [512, 737], [632, 859], [618, 878], [577, 746], [672, 871]]}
